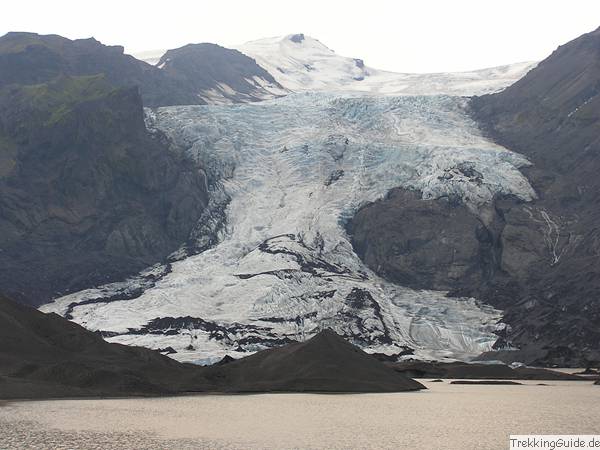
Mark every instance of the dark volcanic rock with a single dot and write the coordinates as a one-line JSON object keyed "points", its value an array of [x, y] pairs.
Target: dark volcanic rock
{"points": [[589, 371], [393, 357], [225, 360], [498, 255], [87, 194], [537, 261], [44, 356], [325, 363], [424, 243], [29, 58], [424, 369], [297, 38], [228, 73], [494, 382], [552, 116]]}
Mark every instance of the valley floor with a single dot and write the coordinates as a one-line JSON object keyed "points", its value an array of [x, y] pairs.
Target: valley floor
{"points": [[444, 416]]}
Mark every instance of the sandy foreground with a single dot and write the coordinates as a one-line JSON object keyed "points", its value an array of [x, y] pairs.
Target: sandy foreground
{"points": [[444, 417]]}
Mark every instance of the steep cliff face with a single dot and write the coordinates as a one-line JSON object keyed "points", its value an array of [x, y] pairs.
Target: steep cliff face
{"points": [[553, 117], [505, 255], [438, 244], [87, 193], [538, 260]]}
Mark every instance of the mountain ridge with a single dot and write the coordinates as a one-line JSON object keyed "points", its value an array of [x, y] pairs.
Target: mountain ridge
{"points": [[197, 73], [301, 63]]}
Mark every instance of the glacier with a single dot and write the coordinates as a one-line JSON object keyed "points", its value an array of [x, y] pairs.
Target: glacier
{"points": [[288, 174]]}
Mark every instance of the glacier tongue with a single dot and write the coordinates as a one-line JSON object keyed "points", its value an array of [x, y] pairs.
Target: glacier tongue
{"points": [[294, 169]]}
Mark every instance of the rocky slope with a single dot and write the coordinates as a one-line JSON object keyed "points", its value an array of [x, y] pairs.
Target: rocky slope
{"points": [[195, 74], [445, 244], [219, 75], [324, 363], [29, 58], [87, 193], [553, 117], [537, 261], [487, 371], [44, 355], [421, 243]]}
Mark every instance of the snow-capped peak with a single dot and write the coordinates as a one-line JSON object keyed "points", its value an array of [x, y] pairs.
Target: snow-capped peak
{"points": [[301, 63]]}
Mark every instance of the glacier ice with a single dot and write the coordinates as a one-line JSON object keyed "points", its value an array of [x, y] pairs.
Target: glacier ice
{"points": [[293, 170]]}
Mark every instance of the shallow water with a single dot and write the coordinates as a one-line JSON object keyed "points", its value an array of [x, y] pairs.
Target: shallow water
{"points": [[444, 417]]}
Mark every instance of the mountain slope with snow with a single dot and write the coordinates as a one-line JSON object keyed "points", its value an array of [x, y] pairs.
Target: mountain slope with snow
{"points": [[219, 75], [301, 63]]}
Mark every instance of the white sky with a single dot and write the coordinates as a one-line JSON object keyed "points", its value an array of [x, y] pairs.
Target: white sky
{"points": [[399, 35]]}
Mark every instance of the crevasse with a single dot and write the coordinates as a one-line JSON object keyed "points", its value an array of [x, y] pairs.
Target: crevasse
{"points": [[295, 169]]}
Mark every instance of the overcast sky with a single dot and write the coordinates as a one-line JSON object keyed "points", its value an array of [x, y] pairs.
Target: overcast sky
{"points": [[400, 35]]}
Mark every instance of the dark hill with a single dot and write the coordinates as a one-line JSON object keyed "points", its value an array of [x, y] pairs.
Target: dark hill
{"points": [[227, 73], [325, 363], [424, 369], [87, 193], [552, 116], [44, 355]]}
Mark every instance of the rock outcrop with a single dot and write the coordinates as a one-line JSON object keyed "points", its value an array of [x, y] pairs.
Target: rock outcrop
{"points": [[424, 244], [537, 261], [87, 193], [552, 116]]}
